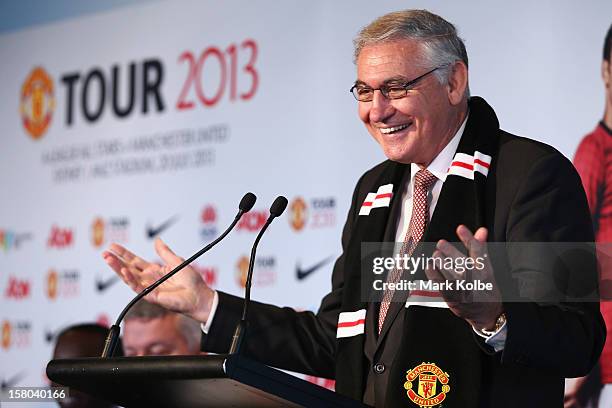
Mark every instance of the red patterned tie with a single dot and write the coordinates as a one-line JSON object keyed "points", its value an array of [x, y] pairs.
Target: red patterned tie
{"points": [[423, 180]]}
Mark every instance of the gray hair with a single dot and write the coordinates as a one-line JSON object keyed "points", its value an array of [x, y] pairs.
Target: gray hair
{"points": [[189, 328], [438, 38]]}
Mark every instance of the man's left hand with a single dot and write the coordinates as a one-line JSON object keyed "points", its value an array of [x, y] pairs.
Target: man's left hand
{"points": [[480, 309]]}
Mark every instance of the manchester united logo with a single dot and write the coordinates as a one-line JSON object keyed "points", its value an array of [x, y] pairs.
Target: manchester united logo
{"points": [[52, 284], [97, 232], [297, 218], [242, 269], [37, 102], [430, 379], [6, 334]]}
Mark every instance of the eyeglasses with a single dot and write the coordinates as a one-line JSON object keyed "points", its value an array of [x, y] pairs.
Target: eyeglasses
{"points": [[364, 93]]}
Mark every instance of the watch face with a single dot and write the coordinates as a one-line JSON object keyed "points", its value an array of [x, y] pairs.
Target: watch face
{"points": [[500, 321], [498, 324]]}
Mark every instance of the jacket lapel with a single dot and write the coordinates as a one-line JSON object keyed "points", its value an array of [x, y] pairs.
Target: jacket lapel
{"points": [[369, 227]]}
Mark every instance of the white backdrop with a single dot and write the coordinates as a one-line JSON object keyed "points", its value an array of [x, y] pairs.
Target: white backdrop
{"points": [[296, 134]]}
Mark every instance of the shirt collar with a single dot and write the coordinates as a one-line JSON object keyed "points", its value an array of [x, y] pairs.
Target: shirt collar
{"points": [[441, 163]]}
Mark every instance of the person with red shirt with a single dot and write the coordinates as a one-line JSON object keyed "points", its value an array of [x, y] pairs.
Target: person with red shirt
{"points": [[593, 161]]}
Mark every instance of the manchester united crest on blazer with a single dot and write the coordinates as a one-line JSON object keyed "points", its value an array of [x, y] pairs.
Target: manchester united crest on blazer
{"points": [[429, 378]]}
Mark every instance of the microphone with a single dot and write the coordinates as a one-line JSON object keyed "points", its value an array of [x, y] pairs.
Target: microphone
{"points": [[247, 202], [276, 209]]}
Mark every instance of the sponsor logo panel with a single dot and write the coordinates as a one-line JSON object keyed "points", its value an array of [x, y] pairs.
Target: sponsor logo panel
{"points": [[318, 212], [16, 334], [323, 212], [111, 229], [50, 335], [208, 219], [253, 220], [37, 103], [298, 213], [302, 273], [103, 284], [60, 238], [122, 90], [264, 271], [17, 289], [12, 240], [154, 230], [62, 284]]}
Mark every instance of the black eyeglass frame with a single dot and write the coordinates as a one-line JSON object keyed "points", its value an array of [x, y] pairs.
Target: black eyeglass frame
{"points": [[385, 89]]}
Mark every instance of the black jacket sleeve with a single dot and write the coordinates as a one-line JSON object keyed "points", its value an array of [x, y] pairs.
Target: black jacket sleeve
{"points": [[561, 336], [280, 336]]}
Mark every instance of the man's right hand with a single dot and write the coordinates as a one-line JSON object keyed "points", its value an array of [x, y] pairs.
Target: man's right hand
{"points": [[185, 292]]}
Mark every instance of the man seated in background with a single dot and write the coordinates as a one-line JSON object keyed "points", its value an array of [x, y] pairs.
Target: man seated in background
{"points": [[77, 341], [152, 330]]}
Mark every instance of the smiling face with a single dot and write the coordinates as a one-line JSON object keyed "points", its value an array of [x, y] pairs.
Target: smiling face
{"points": [[413, 129]]}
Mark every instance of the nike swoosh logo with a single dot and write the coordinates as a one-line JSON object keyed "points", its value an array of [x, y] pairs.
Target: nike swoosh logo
{"points": [[152, 232], [6, 384], [102, 285], [303, 273], [50, 335]]}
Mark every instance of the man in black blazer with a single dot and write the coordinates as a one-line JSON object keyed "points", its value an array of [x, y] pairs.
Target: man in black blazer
{"points": [[486, 186]]}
